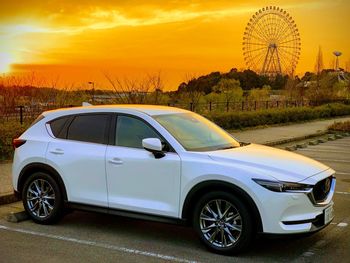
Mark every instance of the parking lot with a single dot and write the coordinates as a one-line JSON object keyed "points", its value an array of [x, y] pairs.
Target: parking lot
{"points": [[92, 237]]}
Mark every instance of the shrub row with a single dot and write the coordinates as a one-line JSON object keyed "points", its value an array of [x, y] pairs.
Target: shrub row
{"points": [[8, 131], [238, 120]]}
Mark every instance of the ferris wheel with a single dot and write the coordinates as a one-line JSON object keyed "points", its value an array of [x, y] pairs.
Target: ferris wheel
{"points": [[271, 42]]}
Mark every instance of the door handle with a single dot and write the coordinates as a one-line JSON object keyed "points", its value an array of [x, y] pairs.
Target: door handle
{"points": [[116, 161], [57, 151]]}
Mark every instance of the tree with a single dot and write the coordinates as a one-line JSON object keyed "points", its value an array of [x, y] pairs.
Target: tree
{"points": [[249, 79], [308, 76], [279, 82], [191, 91], [294, 89], [133, 91], [319, 62], [157, 86], [262, 94], [324, 89], [230, 88], [203, 84], [319, 66]]}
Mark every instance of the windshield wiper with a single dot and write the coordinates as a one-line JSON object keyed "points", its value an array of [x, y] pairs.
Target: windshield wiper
{"points": [[244, 143]]}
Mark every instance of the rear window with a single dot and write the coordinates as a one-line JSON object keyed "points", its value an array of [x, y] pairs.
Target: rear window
{"points": [[89, 128]]}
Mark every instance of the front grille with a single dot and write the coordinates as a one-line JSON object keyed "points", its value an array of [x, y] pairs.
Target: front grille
{"points": [[321, 189]]}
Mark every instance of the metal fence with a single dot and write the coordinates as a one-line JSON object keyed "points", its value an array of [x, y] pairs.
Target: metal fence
{"points": [[239, 106], [23, 113]]}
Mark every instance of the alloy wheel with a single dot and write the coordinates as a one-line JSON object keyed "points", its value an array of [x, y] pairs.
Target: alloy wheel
{"points": [[40, 198], [220, 223]]}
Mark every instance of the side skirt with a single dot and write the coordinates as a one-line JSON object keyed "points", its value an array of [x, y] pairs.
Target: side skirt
{"points": [[124, 213]]}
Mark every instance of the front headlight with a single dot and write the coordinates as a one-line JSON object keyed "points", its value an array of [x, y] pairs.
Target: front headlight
{"points": [[278, 186]]}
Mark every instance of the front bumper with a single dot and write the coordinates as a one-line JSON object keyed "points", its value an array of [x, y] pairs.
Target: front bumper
{"points": [[293, 213], [308, 225]]}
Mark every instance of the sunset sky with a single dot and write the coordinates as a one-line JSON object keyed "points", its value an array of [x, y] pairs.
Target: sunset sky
{"points": [[80, 41]]}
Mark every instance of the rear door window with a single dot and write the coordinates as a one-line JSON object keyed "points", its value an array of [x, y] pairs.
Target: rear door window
{"points": [[89, 128]]}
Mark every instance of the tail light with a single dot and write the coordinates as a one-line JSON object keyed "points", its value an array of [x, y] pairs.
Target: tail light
{"points": [[17, 143]]}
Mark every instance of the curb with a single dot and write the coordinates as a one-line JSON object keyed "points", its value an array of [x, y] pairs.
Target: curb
{"points": [[8, 199], [16, 217], [274, 143], [330, 137]]}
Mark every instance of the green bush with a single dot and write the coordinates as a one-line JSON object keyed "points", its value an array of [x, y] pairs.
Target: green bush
{"points": [[8, 131], [238, 120]]}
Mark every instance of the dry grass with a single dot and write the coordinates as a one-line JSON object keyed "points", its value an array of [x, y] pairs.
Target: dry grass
{"points": [[340, 126]]}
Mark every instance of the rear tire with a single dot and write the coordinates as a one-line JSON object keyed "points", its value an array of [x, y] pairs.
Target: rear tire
{"points": [[42, 198], [223, 223]]}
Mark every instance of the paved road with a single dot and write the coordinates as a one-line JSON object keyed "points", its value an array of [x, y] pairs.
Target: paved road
{"points": [[91, 237], [286, 132]]}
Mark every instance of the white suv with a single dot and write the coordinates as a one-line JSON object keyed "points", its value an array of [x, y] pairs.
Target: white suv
{"points": [[172, 165]]}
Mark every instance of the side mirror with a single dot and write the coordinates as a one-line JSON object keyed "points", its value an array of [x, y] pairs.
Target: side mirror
{"points": [[153, 145]]}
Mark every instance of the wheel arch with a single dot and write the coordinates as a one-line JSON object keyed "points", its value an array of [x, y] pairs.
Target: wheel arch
{"points": [[40, 167], [205, 187]]}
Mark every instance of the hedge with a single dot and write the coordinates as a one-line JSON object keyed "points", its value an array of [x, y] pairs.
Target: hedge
{"points": [[238, 120], [8, 131], [227, 120]]}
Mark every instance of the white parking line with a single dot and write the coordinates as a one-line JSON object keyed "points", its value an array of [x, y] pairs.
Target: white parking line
{"points": [[337, 145], [100, 245], [320, 150], [342, 193], [342, 173], [331, 160], [342, 224], [319, 245]]}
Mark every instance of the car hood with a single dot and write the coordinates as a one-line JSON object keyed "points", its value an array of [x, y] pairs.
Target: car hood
{"points": [[280, 164]]}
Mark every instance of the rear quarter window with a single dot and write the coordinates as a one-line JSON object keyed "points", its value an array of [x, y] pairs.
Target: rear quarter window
{"points": [[57, 127]]}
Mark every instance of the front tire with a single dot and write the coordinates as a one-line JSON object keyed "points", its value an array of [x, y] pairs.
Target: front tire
{"points": [[223, 223], [42, 198]]}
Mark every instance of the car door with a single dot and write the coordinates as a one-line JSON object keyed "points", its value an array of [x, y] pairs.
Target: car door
{"points": [[78, 153], [136, 180]]}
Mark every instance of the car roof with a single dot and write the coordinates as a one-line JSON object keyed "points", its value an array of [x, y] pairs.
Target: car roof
{"points": [[122, 108]]}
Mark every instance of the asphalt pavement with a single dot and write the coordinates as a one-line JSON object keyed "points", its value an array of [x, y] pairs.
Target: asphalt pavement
{"points": [[276, 135], [92, 237]]}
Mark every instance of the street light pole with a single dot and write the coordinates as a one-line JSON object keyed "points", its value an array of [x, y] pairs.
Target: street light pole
{"points": [[93, 91]]}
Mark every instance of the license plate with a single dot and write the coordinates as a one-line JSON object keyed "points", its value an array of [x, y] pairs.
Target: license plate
{"points": [[328, 214]]}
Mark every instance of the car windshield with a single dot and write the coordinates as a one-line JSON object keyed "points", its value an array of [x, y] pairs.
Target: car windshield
{"points": [[196, 133]]}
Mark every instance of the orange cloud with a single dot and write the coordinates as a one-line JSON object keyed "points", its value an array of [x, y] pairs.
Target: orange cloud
{"points": [[131, 38]]}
